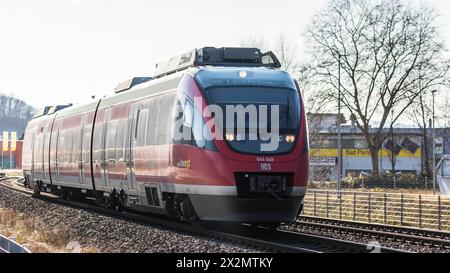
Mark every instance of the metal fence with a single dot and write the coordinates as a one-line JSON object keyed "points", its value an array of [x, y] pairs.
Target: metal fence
{"points": [[412, 210], [9, 245], [374, 183]]}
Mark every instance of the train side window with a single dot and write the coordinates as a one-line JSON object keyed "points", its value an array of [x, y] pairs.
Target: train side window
{"points": [[153, 120], [87, 144], [120, 139], [97, 142], [142, 124], [71, 148], [162, 124], [61, 143], [112, 138], [73, 156], [68, 146]]}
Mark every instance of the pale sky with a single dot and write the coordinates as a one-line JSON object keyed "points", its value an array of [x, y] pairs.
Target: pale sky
{"points": [[61, 51]]}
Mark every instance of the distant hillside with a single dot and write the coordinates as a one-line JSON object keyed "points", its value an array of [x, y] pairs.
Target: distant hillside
{"points": [[14, 114]]}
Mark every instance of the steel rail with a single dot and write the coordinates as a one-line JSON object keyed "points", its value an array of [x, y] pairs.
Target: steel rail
{"points": [[271, 240], [401, 233]]}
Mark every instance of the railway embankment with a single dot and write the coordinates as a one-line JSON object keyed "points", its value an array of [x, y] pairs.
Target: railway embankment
{"points": [[49, 227]]}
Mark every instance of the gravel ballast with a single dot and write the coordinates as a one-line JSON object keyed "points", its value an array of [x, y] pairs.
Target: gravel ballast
{"points": [[373, 240], [101, 233], [108, 234]]}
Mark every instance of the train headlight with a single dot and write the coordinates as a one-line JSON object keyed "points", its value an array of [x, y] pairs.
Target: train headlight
{"points": [[243, 74], [229, 137], [290, 138]]}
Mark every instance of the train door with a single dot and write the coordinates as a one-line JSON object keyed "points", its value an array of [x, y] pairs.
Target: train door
{"points": [[41, 152], [32, 156], [37, 149], [104, 147], [130, 143], [50, 149], [53, 146], [86, 171], [45, 151], [81, 143], [58, 153], [121, 164], [110, 152]]}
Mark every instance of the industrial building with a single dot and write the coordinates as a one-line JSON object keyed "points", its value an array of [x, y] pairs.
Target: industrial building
{"points": [[404, 148], [11, 158], [408, 149]]}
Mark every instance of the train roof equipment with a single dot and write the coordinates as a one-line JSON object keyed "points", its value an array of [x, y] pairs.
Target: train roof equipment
{"points": [[48, 110], [126, 85], [206, 56], [211, 56], [42, 112], [56, 108]]}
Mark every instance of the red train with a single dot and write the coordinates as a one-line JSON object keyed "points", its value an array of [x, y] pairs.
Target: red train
{"points": [[125, 150]]}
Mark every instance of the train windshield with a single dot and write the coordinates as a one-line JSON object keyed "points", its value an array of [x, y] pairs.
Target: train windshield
{"points": [[255, 109]]}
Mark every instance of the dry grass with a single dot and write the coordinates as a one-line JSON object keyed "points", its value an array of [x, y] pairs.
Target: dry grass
{"points": [[31, 232]]}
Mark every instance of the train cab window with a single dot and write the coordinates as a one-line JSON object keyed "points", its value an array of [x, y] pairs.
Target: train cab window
{"points": [[87, 144], [286, 99], [188, 115]]}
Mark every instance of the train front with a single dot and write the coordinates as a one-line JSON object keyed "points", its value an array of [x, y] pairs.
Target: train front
{"points": [[245, 156]]}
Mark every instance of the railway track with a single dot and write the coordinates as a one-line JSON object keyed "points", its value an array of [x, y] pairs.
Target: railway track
{"points": [[403, 234], [259, 237]]}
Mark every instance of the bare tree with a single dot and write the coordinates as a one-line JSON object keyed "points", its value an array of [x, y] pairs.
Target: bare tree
{"points": [[287, 53], [257, 42], [392, 149], [420, 112], [14, 114], [379, 46], [284, 48]]}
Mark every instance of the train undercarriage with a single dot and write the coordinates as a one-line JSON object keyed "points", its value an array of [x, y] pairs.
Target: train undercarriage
{"points": [[174, 205]]}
